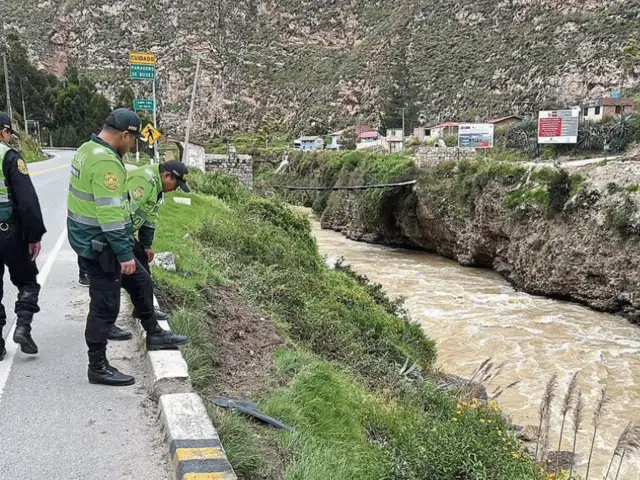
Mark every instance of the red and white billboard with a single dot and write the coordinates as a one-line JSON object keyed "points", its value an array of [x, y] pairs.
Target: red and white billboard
{"points": [[558, 126]]}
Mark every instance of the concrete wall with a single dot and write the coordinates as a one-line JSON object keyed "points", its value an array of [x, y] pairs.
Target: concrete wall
{"points": [[426, 156], [236, 165]]}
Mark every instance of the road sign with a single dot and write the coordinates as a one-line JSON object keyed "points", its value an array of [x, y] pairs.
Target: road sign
{"points": [[150, 134], [142, 58], [558, 126], [142, 72], [475, 135], [143, 104]]}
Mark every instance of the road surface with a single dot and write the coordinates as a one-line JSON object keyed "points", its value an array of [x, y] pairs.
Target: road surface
{"points": [[53, 423]]}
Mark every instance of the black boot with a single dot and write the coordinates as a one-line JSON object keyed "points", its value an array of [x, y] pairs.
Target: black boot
{"points": [[160, 315], [22, 336], [116, 333], [160, 339], [101, 373], [3, 351], [83, 280]]}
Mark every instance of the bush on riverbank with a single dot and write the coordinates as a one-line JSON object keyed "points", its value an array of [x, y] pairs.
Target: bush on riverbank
{"points": [[319, 348]]}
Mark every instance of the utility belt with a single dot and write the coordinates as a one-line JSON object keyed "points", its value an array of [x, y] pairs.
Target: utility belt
{"points": [[106, 257]]}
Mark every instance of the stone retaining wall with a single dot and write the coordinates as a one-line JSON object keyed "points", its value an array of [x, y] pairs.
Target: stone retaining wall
{"points": [[236, 165]]}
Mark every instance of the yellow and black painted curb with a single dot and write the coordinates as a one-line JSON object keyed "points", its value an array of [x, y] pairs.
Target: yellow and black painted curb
{"points": [[200, 460]]}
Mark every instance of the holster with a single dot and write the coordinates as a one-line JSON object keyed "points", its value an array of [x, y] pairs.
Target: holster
{"points": [[107, 258]]}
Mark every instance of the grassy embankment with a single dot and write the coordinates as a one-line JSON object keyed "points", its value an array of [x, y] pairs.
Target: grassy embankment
{"points": [[30, 151], [452, 188], [318, 348]]}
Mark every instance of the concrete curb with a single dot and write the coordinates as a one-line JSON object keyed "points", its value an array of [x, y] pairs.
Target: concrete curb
{"points": [[194, 445]]}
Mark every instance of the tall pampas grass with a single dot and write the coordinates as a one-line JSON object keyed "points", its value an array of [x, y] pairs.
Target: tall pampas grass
{"points": [[597, 417], [628, 442], [568, 402], [542, 442], [577, 420]]}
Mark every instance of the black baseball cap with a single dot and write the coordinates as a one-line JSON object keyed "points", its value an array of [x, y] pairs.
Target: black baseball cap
{"points": [[125, 120], [5, 123], [178, 170]]}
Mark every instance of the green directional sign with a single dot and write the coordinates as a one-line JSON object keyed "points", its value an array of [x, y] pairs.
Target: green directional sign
{"points": [[143, 104], [142, 72]]}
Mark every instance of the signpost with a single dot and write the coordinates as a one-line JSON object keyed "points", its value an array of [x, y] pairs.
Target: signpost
{"points": [[558, 126], [143, 104], [475, 135], [142, 66], [150, 134], [142, 72]]}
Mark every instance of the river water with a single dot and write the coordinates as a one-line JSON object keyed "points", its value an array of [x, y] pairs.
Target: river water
{"points": [[475, 314]]}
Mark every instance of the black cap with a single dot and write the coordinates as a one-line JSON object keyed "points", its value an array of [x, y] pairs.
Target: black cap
{"points": [[125, 120], [178, 170], [5, 123]]}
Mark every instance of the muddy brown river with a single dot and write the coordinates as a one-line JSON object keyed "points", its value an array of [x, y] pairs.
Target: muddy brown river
{"points": [[475, 314]]}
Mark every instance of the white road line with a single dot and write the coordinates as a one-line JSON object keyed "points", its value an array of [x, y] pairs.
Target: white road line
{"points": [[5, 365]]}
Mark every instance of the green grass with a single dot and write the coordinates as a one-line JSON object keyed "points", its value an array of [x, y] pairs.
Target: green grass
{"points": [[335, 380], [29, 150]]}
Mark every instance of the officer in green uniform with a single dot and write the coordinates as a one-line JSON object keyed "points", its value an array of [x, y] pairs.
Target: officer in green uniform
{"points": [[146, 187], [100, 231], [21, 229]]}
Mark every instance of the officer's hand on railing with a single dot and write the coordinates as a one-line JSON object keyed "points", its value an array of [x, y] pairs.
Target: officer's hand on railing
{"points": [[34, 250], [128, 268], [149, 253]]}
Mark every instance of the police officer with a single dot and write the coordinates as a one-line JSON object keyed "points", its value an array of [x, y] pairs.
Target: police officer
{"points": [[21, 229], [146, 186], [100, 231]]}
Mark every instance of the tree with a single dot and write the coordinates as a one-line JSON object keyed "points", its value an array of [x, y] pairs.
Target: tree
{"points": [[348, 139], [125, 98]]}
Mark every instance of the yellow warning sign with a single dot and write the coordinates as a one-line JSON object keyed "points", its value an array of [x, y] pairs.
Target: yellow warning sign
{"points": [[150, 134], [142, 58]]}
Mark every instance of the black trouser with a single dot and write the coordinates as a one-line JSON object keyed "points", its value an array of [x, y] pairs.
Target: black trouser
{"points": [[104, 291], [14, 253], [138, 251], [81, 271]]}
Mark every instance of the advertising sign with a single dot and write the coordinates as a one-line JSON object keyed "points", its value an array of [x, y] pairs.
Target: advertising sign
{"points": [[475, 135], [558, 126]]}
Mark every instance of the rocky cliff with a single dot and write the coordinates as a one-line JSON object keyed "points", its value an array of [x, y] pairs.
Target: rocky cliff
{"points": [[314, 65], [570, 236]]}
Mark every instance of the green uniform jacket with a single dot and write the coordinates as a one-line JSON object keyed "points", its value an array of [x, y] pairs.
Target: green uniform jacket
{"points": [[98, 201], [145, 190]]}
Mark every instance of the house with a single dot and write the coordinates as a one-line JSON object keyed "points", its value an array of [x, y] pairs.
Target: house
{"points": [[444, 129], [334, 143], [606, 107], [308, 144], [368, 140], [507, 121], [394, 140]]}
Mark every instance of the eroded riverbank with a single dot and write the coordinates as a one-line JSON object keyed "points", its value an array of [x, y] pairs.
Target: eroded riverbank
{"points": [[475, 314]]}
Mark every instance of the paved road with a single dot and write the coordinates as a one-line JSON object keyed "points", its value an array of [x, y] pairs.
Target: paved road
{"points": [[53, 423]]}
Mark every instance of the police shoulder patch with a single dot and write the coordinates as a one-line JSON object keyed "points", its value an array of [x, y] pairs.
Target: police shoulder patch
{"points": [[22, 167], [111, 181], [137, 194]]}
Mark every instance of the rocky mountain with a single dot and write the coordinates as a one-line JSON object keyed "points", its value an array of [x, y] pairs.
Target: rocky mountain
{"points": [[316, 65]]}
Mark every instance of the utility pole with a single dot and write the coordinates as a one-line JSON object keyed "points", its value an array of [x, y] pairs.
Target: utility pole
{"points": [[403, 109], [156, 156], [24, 111], [4, 63], [185, 154]]}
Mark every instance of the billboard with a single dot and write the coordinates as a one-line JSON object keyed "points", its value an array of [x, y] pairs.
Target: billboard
{"points": [[475, 135], [558, 126]]}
